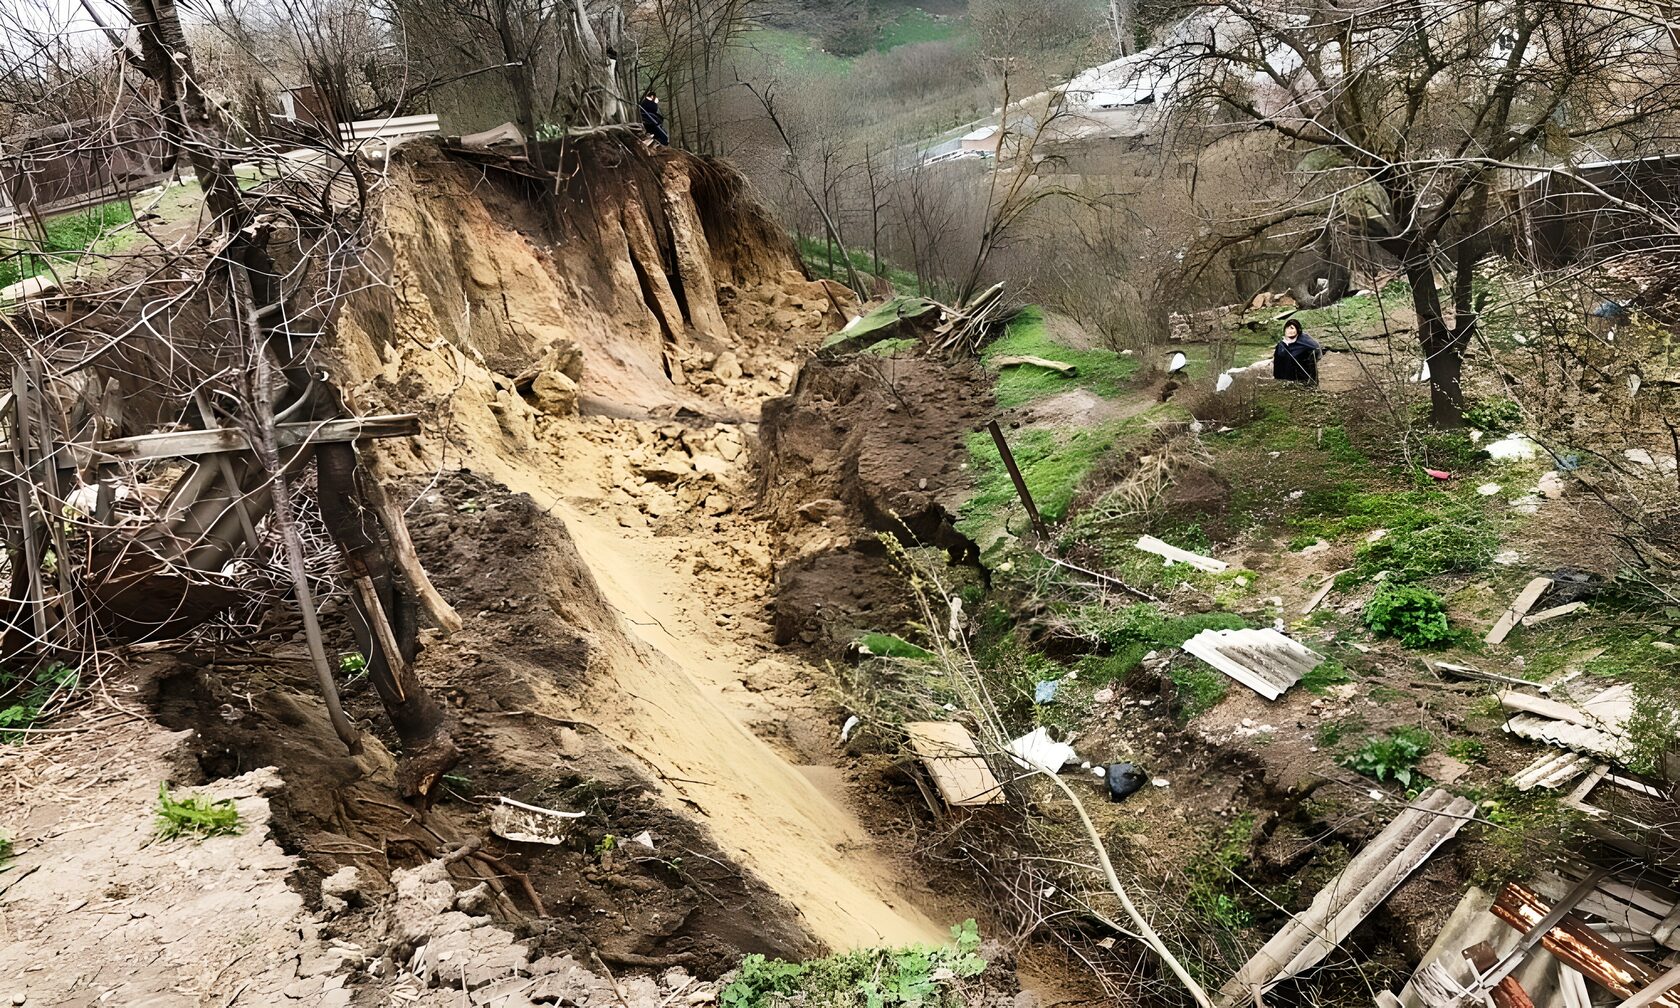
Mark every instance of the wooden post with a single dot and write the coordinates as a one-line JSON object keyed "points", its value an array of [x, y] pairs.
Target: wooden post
{"points": [[1015, 476]]}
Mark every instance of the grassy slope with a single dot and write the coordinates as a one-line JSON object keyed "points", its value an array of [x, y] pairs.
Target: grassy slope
{"points": [[1054, 461]]}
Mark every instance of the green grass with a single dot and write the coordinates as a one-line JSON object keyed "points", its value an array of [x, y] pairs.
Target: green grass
{"points": [[1353, 317], [918, 975], [1213, 893], [824, 262], [195, 816], [1052, 462], [24, 697], [797, 52], [67, 237], [1199, 689], [911, 27], [1027, 335], [1324, 675]]}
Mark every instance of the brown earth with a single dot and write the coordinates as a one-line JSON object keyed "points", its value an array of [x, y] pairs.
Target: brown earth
{"points": [[616, 657]]}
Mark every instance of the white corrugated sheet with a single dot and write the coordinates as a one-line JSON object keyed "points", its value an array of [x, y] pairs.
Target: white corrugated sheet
{"points": [[1265, 661], [1552, 770], [1564, 735]]}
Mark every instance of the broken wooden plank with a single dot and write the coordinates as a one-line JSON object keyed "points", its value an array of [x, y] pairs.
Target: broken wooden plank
{"points": [[1532, 936], [1519, 608], [1373, 874], [1649, 994], [1323, 590], [1507, 993], [1552, 709], [1264, 660], [1578, 945], [1547, 615], [1150, 544], [1466, 672], [1067, 370], [962, 776], [188, 443]]}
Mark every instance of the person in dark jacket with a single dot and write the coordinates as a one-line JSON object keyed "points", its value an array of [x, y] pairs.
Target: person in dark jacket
{"points": [[1295, 358], [652, 119]]}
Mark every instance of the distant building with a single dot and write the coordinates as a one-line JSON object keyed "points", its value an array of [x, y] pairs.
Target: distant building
{"points": [[1589, 212], [985, 140], [69, 165]]}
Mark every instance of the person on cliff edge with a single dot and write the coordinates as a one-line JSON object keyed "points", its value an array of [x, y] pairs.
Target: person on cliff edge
{"points": [[652, 119], [1295, 358]]}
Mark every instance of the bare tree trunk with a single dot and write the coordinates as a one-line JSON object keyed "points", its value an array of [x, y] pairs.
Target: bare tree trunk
{"points": [[1120, 15], [385, 623], [1443, 352]]}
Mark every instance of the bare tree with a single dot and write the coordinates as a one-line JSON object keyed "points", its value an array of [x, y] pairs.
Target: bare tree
{"points": [[1408, 118]]}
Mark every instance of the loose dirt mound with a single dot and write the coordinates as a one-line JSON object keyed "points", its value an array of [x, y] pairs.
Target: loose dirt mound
{"points": [[860, 446]]}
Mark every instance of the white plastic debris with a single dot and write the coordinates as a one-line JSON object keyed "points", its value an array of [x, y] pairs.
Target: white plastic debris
{"points": [[1195, 426], [1223, 383], [1098, 771], [1159, 782], [1178, 362], [1515, 448], [956, 619], [1489, 489], [1423, 373], [522, 823], [1036, 750], [645, 838], [846, 729]]}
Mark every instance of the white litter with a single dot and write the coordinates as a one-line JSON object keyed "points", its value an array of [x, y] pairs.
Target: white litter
{"points": [[956, 619], [846, 729], [1178, 362], [1489, 489], [522, 823], [1223, 383], [1423, 373], [1098, 771], [1507, 558], [1159, 782], [1036, 750], [1515, 448], [645, 838]]}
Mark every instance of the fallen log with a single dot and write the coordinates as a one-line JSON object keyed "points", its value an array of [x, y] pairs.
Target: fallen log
{"points": [[1067, 370]]}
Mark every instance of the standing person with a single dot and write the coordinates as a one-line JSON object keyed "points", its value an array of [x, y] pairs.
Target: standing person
{"points": [[1295, 358], [652, 119]]}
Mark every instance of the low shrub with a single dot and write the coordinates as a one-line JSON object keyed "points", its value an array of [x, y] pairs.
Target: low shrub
{"points": [[1394, 757], [1414, 616]]}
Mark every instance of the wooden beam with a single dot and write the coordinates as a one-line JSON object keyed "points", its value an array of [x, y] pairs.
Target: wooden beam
{"points": [[188, 443], [1519, 608], [1551, 614], [1649, 994]]}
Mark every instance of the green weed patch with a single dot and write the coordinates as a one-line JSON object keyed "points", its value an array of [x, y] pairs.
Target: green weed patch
{"points": [[195, 816], [1416, 617], [917, 975], [67, 236]]}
